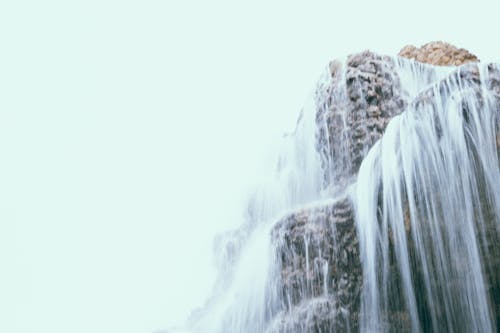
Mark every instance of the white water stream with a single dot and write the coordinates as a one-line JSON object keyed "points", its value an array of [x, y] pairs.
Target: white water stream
{"points": [[432, 163]]}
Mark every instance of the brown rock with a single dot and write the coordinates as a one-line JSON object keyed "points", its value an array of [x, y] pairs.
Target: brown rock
{"points": [[438, 53], [355, 104]]}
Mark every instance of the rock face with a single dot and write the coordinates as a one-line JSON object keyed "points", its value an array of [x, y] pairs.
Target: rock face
{"points": [[438, 53], [320, 269], [354, 108]]}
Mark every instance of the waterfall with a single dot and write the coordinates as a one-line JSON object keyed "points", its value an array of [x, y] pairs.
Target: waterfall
{"points": [[381, 212], [247, 296], [432, 175]]}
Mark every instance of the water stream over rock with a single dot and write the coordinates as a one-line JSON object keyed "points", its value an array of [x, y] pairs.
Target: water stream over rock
{"points": [[382, 213]]}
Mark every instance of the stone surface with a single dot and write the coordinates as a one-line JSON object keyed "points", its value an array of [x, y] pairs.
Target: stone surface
{"points": [[318, 252], [438, 53], [316, 315], [354, 107]]}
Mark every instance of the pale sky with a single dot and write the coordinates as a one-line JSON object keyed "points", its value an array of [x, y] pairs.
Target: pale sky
{"points": [[130, 132]]}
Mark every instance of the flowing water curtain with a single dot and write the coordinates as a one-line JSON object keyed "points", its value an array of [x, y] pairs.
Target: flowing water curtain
{"points": [[428, 179]]}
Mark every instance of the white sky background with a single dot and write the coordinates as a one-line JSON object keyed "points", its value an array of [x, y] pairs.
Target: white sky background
{"points": [[130, 131]]}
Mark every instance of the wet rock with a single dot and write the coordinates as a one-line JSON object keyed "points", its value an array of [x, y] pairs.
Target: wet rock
{"points": [[354, 106], [318, 252], [317, 315]]}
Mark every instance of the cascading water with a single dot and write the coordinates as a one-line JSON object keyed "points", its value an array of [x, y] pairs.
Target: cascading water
{"points": [[422, 193], [246, 297], [383, 213]]}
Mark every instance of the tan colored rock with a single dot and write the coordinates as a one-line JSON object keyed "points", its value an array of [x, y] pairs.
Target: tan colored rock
{"points": [[438, 53]]}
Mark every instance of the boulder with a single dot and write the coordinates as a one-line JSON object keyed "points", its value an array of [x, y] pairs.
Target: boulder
{"points": [[438, 53], [354, 106]]}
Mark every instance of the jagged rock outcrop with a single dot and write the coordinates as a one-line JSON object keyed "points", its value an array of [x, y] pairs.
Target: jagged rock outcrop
{"points": [[354, 108], [439, 54]]}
